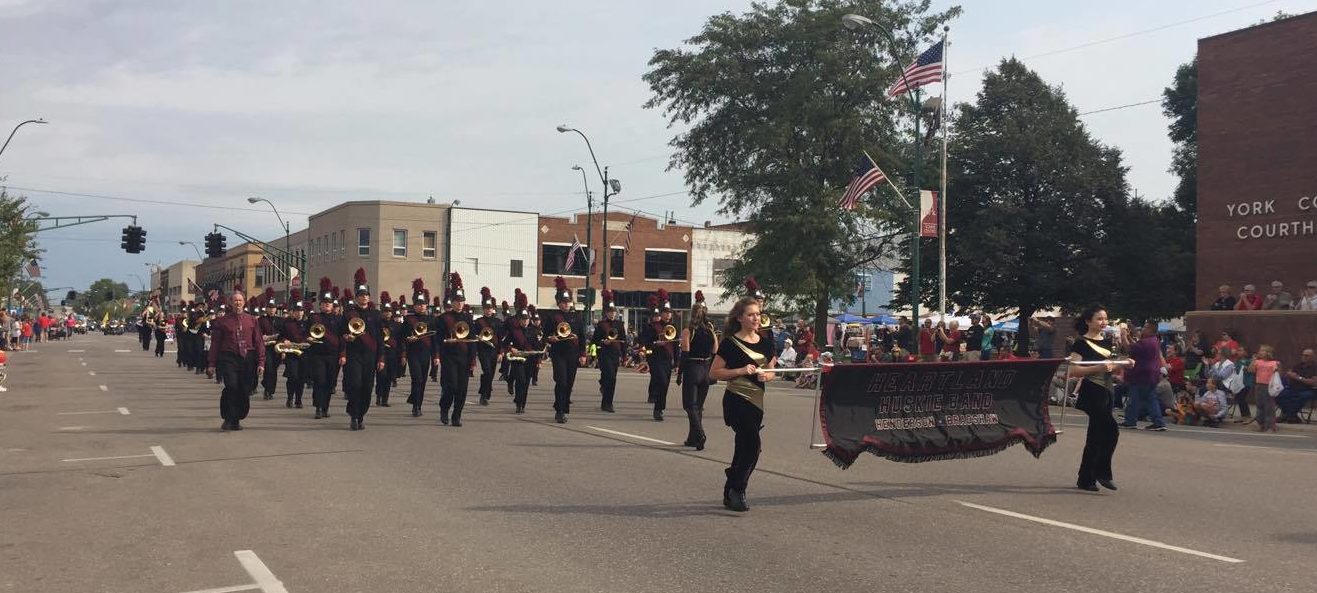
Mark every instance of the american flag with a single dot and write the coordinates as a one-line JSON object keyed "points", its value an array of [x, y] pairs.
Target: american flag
{"points": [[926, 69], [192, 287], [33, 270], [626, 245], [571, 254], [867, 176]]}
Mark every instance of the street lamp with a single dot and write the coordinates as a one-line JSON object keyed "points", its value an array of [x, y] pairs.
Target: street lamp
{"points": [[287, 256], [589, 235], [15, 131], [611, 188], [857, 22], [195, 248]]}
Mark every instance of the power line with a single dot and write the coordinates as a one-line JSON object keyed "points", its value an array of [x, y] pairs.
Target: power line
{"points": [[1126, 35], [146, 201], [1126, 106]]}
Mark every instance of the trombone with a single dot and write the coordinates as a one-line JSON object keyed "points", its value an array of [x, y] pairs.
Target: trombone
{"points": [[420, 330], [563, 331], [316, 333], [486, 336], [271, 340], [356, 327], [461, 333]]}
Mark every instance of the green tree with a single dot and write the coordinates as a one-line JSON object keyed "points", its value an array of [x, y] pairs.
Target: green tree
{"points": [[18, 244], [777, 104], [103, 295], [1032, 192], [1180, 104]]}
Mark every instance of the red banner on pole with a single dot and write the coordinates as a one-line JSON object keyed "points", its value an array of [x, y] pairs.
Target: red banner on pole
{"points": [[928, 209]]}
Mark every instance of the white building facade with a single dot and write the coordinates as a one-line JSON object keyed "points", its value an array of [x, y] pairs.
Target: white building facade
{"points": [[494, 248], [713, 250]]}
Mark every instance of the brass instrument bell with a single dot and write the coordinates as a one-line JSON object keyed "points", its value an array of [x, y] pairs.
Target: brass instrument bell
{"points": [[461, 330], [563, 331], [356, 326], [486, 335], [611, 334], [765, 321], [316, 331], [669, 333]]}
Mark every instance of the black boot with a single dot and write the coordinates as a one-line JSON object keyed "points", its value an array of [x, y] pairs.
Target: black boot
{"points": [[560, 418], [319, 415], [484, 401], [658, 415], [521, 409], [457, 417], [443, 417], [289, 402], [736, 501]]}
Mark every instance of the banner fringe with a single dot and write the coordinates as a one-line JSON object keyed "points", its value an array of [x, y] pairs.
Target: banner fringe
{"points": [[1036, 451]]}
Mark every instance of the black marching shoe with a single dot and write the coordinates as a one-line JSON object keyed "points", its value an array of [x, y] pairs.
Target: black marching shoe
{"points": [[297, 405], [1086, 487], [1108, 484], [484, 401], [269, 395], [735, 501], [560, 418], [318, 414], [443, 417], [510, 392], [521, 409], [325, 412], [607, 408], [226, 426], [457, 419], [384, 404], [235, 425], [416, 410], [658, 415], [288, 403]]}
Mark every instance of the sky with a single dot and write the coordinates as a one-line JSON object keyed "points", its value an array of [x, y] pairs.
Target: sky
{"points": [[177, 111]]}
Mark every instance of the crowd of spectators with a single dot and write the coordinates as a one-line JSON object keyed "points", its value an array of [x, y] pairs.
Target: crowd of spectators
{"points": [[1276, 299]]}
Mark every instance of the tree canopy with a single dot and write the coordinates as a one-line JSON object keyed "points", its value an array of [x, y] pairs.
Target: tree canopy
{"points": [[775, 107], [18, 244]]}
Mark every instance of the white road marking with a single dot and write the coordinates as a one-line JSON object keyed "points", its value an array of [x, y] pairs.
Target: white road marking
{"points": [[104, 387], [233, 589], [259, 572], [1280, 449], [92, 373], [71, 428], [81, 413], [819, 446], [1217, 431], [1090, 530], [160, 454], [77, 350], [124, 411], [123, 350], [84, 364], [628, 435], [108, 458]]}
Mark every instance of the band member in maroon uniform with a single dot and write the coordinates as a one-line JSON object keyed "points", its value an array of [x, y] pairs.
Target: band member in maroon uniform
{"points": [[487, 350], [321, 359], [454, 352], [417, 343], [610, 338], [361, 354], [520, 344], [235, 343], [659, 351], [270, 327], [565, 348], [292, 331]]}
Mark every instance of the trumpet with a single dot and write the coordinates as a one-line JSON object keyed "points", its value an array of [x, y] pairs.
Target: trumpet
{"points": [[291, 348], [316, 333]]}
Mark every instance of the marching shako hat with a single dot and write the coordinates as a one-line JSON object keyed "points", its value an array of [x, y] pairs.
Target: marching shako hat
{"points": [[607, 296], [419, 293], [487, 298], [560, 292], [663, 299], [752, 289], [455, 291], [521, 304], [359, 286], [699, 298]]}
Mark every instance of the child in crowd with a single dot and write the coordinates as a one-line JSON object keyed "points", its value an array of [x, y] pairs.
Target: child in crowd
{"points": [[1263, 367], [1210, 407]]}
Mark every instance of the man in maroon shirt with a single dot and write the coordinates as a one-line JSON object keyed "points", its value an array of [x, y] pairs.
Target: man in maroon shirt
{"points": [[235, 342]]}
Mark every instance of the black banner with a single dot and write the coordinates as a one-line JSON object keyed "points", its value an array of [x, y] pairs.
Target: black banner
{"points": [[920, 412]]}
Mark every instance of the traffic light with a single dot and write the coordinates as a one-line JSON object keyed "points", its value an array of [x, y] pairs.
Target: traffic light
{"points": [[216, 245], [134, 239], [71, 296]]}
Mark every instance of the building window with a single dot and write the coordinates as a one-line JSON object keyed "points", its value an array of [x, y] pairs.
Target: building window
{"points": [[475, 265], [399, 243], [260, 276], [429, 242], [553, 261], [333, 246], [342, 244], [514, 269], [363, 242], [720, 267], [665, 265], [617, 264]]}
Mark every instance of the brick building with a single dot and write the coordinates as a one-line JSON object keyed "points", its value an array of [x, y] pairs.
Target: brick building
{"points": [[1257, 142], [660, 257]]}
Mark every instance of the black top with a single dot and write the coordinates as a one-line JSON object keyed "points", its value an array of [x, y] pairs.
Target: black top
{"points": [[601, 334], [570, 347], [520, 338], [367, 344], [974, 337], [651, 336], [702, 342], [1094, 351], [736, 353], [445, 328]]}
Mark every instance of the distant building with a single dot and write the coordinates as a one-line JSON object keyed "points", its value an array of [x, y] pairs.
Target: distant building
{"points": [[714, 249], [172, 282]]}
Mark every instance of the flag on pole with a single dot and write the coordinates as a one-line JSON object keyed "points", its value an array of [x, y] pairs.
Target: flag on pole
{"points": [[571, 254], [631, 225], [193, 288], [33, 270], [859, 286], [926, 69], [867, 176]]}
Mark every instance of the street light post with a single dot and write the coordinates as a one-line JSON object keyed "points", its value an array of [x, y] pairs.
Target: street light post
{"points": [[589, 236], [611, 188], [287, 255], [854, 22], [194, 248], [15, 131]]}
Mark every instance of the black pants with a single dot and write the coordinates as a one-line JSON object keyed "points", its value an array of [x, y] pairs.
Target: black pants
{"points": [[235, 372], [660, 374], [454, 380], [319, 371], [270, 379], [296, 381], [694, 390], [535, 371], [1103, 433], [564, 379], [746, 420], [178, 347], [418, 368], [384, 379], [334, 373], [160, 344], [609, 360], [486, 356], [144, 336], [519, 376], [358, 382]]}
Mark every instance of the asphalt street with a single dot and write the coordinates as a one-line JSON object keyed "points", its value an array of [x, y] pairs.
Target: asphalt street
{"points": [[115, 477]]}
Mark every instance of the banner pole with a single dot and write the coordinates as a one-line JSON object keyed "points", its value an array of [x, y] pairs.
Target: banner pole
{"points": [[814, 412], [1065, 398]]}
